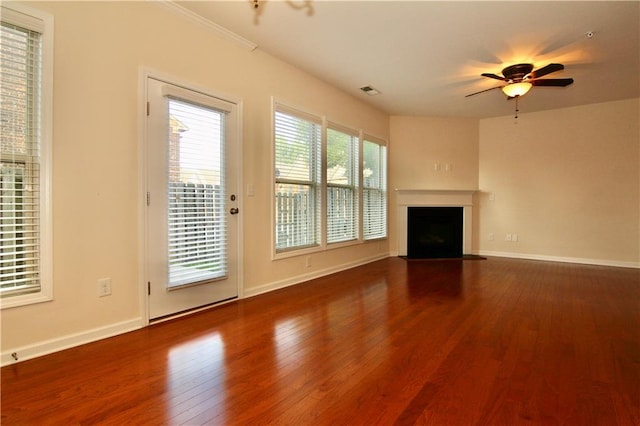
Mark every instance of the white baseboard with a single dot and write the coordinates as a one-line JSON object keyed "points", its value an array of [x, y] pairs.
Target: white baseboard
{"points": [[65, 342], [598, 262], [310, 276], [58, 344]]}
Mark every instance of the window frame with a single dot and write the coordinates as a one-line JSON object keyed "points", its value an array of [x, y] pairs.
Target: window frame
{"points": [[383, 190], [354, 186], [35, 20], [315, 185], [358, 185]]}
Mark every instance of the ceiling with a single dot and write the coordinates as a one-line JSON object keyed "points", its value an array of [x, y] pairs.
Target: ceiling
{"points": [[425, 56]]}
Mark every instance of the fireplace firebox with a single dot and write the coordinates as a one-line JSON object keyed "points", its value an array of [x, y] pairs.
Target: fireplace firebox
{"points": [[434, 232]]}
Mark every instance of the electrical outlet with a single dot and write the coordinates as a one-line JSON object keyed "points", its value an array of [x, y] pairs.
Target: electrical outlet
{"points": [[104, 287], [307, 262], [514, 237], [508, 237], [491, 237]]}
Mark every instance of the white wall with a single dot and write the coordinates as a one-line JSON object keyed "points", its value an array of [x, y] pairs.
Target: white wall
{"points": [[100, 49], [419, 143], [566, 181]]}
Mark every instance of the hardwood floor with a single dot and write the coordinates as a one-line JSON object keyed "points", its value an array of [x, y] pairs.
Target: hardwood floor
{"points": [[486, 342]]}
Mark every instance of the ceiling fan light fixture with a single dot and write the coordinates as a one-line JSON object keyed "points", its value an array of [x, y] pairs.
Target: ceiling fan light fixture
{"points": [[516, 89]]}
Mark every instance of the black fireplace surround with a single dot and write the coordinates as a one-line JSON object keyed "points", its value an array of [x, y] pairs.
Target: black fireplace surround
{"points": [[434, 232]]}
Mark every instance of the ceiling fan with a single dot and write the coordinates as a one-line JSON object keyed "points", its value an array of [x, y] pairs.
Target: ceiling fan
{"points": [[520, 78]]}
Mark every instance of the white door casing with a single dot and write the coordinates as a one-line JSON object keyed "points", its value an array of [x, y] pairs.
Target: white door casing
{"points": [[192, 163]]}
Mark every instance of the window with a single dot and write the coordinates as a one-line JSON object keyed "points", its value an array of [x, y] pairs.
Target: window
{"points": [[342, 185], [297, 179], [197, 219], [25, 89], [330, 186], [374, 189]]}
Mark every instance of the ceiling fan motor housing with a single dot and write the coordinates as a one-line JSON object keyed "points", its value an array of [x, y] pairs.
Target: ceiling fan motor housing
{"points": [[516, 73]]}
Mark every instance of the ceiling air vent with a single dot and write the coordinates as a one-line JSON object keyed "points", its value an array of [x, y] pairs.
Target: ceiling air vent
{"points": [[370, 90]]}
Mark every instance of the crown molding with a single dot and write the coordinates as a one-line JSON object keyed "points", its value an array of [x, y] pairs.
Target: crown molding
{"points": [[211, 26]]}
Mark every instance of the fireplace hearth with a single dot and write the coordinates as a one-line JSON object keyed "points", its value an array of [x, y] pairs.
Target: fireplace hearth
{"points": [[434, 232]]}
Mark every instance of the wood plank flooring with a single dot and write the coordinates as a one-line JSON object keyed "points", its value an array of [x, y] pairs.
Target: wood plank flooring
{"points": [[484, 342]]}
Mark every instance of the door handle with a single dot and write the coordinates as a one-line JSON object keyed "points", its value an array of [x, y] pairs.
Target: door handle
{"points": [[234, 210]]}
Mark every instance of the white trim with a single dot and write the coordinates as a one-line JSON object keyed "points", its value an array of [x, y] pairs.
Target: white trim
{"points": [[343, 128], [375, 139], [360, 231], [69, 341], [211, 26], [406, 198], [278, 106], [146, 73], [291, 109], [355, 186], [240, 194], [364, 137], [299, 279], [207, 101], [580, 260], [192, 311], [143, 75], [149, 72]]}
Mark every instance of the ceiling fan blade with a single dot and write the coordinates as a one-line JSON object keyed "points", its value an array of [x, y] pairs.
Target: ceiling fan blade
{"points": [[497, 77], [546, 70], [485, 90], [557, 82]]}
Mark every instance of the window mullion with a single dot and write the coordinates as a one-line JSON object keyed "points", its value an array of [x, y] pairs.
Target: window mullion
{"points": [[360, 186], [323, 185]]}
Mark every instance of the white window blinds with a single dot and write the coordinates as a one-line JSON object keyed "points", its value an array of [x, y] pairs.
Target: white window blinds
{"points": [[197, 220], [20, 183], [342, 185], [374, 190], [297, 179], [330, 183]]}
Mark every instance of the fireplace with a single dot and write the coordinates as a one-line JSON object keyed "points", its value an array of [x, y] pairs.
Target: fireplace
{"points": [[434, 232], [410, 198]]}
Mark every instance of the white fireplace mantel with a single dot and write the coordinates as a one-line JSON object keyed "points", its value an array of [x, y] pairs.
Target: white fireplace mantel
{"points": [[434, 198]]}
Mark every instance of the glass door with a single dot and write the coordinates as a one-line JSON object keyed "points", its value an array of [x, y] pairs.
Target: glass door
{"points": [[191, 200]]}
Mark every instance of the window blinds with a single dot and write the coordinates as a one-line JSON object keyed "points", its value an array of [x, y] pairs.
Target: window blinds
{"points": [[342, 185], [20, 89], [197, 220], [297, 180], [374, 194]]}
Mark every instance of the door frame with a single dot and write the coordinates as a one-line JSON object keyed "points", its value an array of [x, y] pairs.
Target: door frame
{"points": [[143, 231]]}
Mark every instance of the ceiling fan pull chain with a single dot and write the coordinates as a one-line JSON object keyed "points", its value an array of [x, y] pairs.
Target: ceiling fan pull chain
{"points": [[517, 110]]}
